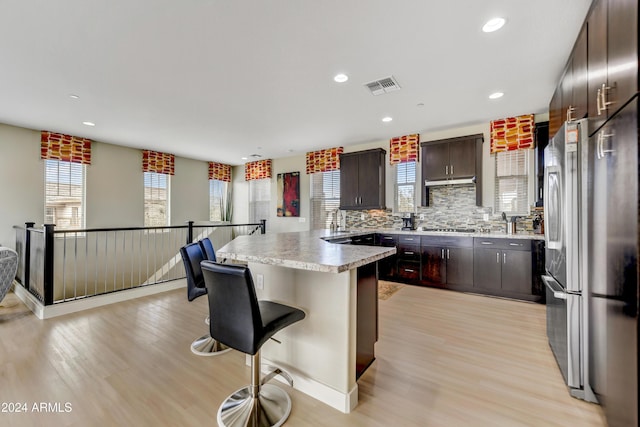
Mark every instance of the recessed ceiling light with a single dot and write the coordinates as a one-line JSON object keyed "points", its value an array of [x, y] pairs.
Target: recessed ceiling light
{"points": [[72, 96], [493, 25], [420, 104], [88, 123], [341, 78], [387, 119], [496, 95], [243, 158]]}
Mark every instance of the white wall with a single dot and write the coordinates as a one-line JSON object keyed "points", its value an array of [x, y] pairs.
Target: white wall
{"points": [[114, 185], [21, 180]]}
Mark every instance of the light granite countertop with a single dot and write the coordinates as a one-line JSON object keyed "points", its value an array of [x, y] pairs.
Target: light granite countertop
{"points": [[304, 250], [418, 232], [309, 250]]}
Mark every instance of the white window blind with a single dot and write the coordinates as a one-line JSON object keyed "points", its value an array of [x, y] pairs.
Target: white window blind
{"points": [[64, 194], [259, 199], [325, 198], [405, 191], [217, 200], [512, 181], [156, 199]]}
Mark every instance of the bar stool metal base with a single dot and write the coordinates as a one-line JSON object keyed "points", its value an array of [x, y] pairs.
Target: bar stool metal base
{"points": [[207, 346], [271, 408]]}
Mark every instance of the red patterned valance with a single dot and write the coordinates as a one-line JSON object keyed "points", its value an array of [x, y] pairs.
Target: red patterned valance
{"points": [[404, 149], [257, 170], [56, 146], [219, 171], [513, 133], [155, 161], [324, 160]]}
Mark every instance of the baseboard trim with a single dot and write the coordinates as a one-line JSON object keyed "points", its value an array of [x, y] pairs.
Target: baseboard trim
{"points": [[343, 402], [44, 312]]}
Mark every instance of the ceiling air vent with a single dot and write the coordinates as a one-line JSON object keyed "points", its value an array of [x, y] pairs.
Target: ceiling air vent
{"points": [[378, 87]]}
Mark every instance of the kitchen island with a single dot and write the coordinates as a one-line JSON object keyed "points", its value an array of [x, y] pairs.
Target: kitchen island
{"points": [[336, 286]]}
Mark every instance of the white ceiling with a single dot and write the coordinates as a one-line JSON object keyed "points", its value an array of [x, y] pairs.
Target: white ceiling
{"points": [[222, 79]]}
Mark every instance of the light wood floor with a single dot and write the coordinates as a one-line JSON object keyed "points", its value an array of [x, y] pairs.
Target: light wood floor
{"points": [[443, 359]]}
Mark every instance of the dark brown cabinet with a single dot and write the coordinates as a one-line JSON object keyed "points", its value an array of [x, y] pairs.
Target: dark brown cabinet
{"points": [[555, 111], [387, 267], [612, 58], [408, 253], [447, 261], [449, 159], [570, 102], [503, 266], [362, 180]]}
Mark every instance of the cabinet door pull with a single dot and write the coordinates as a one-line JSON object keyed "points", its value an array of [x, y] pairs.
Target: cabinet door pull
{"points": [[409, 253], [486, 243], [447, 253], [451, 169], [408, 270], [598, 103], [498, 257], [515, 244], [570, 111], [442, 253], [446, 170], [504, 257]]}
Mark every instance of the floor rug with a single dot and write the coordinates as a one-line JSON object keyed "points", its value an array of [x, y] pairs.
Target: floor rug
{"points": [[387, 289]]}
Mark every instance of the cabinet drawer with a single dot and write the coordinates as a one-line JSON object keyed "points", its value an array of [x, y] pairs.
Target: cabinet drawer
{"points": [[450, 241], [496, 243], [409, 253], [409, 270], [409, 240], [386, 239]]}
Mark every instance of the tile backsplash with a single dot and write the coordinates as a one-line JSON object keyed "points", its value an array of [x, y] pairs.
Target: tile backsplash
{"points": [[450, 206]]}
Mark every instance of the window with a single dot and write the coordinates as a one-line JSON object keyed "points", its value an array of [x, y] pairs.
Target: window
{"points": [[259, 198], [512, 181], [218, 200], [325, 198], [64, 194], [156, 199], [405, 188]]}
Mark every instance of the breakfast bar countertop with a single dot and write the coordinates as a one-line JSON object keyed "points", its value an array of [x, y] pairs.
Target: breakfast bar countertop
{"points": [[304, 250]]}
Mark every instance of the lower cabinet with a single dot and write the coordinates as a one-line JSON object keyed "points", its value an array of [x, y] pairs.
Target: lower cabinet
{"points": [[503, 267], [447, 261], [387, 267], [492, 266]]}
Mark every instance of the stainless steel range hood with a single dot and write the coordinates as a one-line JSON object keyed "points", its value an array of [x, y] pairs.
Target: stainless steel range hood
{"points": [[428, 183]]}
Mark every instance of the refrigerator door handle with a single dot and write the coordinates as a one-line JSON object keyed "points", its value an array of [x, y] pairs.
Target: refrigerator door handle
{"points": [[554, 287]]}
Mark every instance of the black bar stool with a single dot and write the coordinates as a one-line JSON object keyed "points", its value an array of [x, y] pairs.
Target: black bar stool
{"points": [[245, 324], [192, 256]]}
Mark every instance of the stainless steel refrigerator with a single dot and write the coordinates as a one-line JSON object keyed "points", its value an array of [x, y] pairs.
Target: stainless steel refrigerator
{"points": [[612, 267], [566, 200]]}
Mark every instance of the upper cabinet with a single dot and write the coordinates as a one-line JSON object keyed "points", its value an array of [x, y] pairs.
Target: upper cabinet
{"points": [[452, 159], [362, 180], [570, 100], [601, 74], [612, 58]]}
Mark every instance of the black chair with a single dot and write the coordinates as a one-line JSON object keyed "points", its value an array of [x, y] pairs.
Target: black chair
{"points": [[245, 324], [192, 256], [207, 249]]}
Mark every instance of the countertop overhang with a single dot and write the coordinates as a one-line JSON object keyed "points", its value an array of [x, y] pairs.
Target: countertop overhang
{"points": [[304, 250]]}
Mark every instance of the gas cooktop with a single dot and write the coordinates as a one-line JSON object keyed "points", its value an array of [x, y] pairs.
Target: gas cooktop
{"points": [[450, 230]]}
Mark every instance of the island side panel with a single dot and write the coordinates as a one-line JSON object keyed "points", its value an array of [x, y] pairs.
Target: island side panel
{"points": [[319, 351]]}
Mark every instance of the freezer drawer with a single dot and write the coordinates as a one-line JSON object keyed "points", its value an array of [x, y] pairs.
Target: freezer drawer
{"points": [[564, 315]]}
